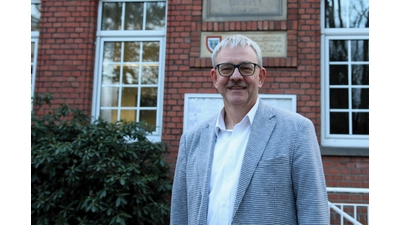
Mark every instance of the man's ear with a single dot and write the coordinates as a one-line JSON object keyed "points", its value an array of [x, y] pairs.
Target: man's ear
{"points": [[261, 77], [214, 75]]}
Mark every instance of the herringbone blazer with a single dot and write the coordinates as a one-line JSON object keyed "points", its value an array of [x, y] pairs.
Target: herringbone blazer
{"points": [[281, 180]]}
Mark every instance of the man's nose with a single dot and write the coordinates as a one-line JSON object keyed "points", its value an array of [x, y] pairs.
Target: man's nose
{"points": [[236, 74]]}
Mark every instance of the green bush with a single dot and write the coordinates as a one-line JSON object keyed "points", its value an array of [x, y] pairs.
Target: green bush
{"points": [[91, 172]]}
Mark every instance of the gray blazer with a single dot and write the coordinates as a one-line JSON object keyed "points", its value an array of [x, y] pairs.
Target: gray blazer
{"points": [[281, 180]]}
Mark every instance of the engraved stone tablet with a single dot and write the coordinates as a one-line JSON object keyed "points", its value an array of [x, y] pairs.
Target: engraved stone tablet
{"points": [[244, 10], [272, 43]]}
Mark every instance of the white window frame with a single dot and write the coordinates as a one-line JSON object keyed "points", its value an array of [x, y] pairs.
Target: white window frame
{"points": [[35, 41], [327, 34], [125, 36]]}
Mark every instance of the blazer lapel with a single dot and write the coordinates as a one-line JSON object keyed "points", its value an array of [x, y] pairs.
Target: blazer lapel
{"points": [[261, 130]]}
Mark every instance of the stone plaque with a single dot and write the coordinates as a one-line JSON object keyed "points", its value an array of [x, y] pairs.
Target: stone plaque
{"points": [[272, 43], [244, 10]]}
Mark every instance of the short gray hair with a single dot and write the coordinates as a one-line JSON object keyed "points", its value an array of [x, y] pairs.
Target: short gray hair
{"points": [[234, 41]]}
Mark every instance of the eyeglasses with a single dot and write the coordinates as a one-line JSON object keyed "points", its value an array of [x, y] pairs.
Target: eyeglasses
{"points": [[227, 69]]}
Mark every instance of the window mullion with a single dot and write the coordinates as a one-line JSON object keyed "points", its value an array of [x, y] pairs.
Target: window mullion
{"points": [[144, 15], [348, 14], [139, 82], [349, 84], [123, 16], [121, 77]]}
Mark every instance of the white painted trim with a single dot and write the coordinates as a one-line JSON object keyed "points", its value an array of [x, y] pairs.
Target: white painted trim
{"points": [[347, 190]]}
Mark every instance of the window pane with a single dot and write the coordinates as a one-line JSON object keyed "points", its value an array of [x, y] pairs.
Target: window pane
{"points": [[338, 74], [134, 16], [112, 52], [360, 50], [130, 74], [360, 123], [148, 97], [155, 16], [132, 52], [32, 51], [339, 123], [151, 51], [109, 96], [360, 74], [111, 74], [129, 97], [339, 98], [109, 115], [360, 98], [359, 13], [111, 17], [149, 116], [338, 50], [35, 17], [346, 13], [336, 13], [128, 115], [150, 74]]}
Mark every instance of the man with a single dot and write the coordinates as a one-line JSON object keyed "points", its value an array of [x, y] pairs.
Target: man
{"points": [[251, 163]]}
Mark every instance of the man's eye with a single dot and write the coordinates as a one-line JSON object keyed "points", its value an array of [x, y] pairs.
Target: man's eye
{"points": [[226, 68], [245, 68]]}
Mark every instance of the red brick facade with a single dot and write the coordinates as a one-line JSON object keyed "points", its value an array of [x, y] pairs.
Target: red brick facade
{"points": [[66, 51], [66, 58]]}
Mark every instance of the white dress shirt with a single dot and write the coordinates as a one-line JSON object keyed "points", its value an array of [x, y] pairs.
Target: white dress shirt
{"points": [[227, 162]]}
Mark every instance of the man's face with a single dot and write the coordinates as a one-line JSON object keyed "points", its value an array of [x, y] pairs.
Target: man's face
{"points": [[238, 90]]}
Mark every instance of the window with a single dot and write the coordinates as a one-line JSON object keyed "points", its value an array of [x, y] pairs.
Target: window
{"points": [[345, 73], [35, 17], [129, 73]]}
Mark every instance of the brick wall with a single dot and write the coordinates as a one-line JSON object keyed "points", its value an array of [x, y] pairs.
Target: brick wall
{"points": [[346, 171], [66, 52]]}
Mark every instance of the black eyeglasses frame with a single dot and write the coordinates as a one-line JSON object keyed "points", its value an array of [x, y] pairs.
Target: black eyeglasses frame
{"points": [[236, 66]]}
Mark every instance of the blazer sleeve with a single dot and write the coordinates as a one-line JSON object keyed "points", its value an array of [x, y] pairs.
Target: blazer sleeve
{"points": [[308, 178], [179, 207]]}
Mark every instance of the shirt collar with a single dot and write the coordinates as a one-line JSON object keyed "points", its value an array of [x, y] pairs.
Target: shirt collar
{"points": [[220, 125]]}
